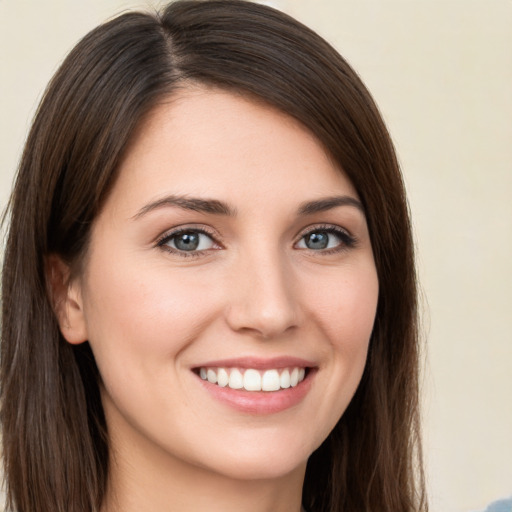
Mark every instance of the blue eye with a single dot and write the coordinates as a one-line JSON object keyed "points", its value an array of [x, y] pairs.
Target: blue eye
{"points": [[188, 241], [325, 239]]}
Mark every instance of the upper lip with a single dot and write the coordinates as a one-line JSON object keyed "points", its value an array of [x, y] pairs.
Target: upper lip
{"points": [[258, 363]]}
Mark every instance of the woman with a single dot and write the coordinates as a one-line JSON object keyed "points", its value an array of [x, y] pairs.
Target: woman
{"points": [[208, 289]]}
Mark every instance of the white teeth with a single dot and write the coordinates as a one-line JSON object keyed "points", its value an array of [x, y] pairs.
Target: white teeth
{"points": [[222, 378], [236, 379], [294, 377], [211, 375], [254, 380], [285, 379], [270, 381]]}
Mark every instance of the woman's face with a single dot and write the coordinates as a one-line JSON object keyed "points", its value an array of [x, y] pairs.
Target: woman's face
{"points": [[231, 255]]}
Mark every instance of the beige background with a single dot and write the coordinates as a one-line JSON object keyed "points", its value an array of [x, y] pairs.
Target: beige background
{"points": [[441, 72]]}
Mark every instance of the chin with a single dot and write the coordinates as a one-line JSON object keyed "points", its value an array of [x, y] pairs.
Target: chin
{"points": [[263, 459], [269, 468]]}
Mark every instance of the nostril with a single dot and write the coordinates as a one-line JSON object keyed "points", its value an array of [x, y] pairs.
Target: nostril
{"points": [[263, 303]]}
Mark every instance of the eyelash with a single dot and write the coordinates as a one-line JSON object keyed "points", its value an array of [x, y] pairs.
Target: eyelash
{"points": [[347, 241], [167, 237]]}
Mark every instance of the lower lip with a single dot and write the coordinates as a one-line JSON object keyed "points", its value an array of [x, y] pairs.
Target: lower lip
{"points": [[260, 402]]}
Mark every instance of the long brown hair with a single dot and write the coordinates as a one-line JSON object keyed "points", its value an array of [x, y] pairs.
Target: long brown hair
{"points": [[55, 440]]}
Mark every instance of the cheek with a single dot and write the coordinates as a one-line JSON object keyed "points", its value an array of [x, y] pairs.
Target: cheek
{"points": [[346, 307], [345, 312], [134, 317]]}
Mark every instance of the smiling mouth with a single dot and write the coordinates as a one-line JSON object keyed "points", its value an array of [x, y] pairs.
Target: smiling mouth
{"points": [[251, 379]]}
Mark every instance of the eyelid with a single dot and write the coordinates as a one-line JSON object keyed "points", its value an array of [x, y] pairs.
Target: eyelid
{"points": [[205, 230], [324, 227], [348, 240]]}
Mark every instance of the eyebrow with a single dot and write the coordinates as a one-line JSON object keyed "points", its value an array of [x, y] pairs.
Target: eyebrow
{"points": [[328, 203], [187, 203], [216, 207]]}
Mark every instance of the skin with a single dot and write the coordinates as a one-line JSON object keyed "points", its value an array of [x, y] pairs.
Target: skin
{"points": [[152, 314]]}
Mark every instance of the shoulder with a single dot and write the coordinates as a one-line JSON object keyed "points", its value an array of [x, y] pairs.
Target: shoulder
{"points": [[504, 505]]}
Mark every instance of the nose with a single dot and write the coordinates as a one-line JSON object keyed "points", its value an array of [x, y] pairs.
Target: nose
{"points": [[263, 297]]}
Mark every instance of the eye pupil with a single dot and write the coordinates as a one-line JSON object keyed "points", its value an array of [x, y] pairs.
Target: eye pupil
{"points": [[187, 241], [318, 240]]}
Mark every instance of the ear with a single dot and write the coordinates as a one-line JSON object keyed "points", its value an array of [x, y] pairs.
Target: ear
{"points": [[66, 299]]}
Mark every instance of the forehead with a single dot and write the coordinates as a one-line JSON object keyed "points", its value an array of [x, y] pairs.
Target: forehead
{"points": [[205, 141]]}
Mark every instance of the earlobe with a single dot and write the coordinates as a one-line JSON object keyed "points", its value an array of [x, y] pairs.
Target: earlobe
{"points": [[66, 299]]}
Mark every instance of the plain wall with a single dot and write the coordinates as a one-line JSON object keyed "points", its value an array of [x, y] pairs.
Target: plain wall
{"points": [[441, 72]]}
